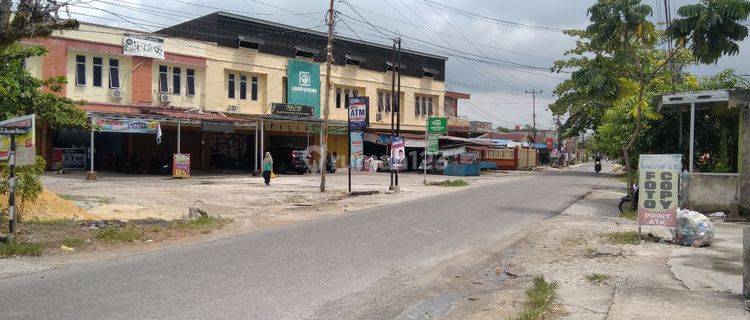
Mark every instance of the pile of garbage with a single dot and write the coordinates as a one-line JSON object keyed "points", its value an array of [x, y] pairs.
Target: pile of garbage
{"points": [[694, 229]]}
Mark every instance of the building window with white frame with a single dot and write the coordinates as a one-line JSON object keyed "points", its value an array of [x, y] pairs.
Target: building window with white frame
{"points": [[176, 80], [343, 95], [243, 87], [97, 63], [163, 80], [80, 70], [114, 73], [254, 88], [190, 82], [230, 86], [423, 105], [384, 101]]}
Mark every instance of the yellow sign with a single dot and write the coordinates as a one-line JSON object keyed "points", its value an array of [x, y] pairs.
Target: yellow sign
{"points": [[181, 165], [25, 143]]}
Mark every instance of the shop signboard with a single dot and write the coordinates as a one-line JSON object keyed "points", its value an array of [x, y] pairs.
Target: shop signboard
{"points": [[68, 158], [437, 125], [398, 153], [126, 125], [550, 142], [358, 118], [433, 144], [181, 165], [292, 111], [142, 46], [658, 189], [24, 130], [357, 150], [303, 84], [217, 127]]}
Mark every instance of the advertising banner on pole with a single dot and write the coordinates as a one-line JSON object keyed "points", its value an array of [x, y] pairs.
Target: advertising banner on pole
{"points": [[303, 84], [24, 128], [398, 153], [358, 107], [433, 144], [358, 151], [659, 180], [181, 165]]}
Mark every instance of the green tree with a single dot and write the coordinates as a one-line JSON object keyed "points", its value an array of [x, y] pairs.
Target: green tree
{"points": [[619, 67], [23, 94], [711, 28]]}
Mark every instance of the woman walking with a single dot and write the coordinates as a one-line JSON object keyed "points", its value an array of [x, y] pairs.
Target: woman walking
{"points": [[267, 168]]}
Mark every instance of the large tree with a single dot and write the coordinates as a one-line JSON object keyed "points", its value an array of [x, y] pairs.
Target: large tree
{"points": [[619, 64]]}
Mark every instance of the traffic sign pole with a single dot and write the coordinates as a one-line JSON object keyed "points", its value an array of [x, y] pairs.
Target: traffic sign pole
{"points": [[12, 186]]}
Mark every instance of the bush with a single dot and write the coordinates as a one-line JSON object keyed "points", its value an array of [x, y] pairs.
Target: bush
{"points": [[14, 248]]}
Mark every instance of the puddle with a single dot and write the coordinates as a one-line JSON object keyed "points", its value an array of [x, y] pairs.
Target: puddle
{"points": [[427, 309]]}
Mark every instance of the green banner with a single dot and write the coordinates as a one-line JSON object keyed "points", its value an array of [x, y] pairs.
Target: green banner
{"points": [[433, 144], [437, 125], [303, 84]]}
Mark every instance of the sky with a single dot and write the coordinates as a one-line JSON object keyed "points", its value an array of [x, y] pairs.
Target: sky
{"points": [[509, 36]]}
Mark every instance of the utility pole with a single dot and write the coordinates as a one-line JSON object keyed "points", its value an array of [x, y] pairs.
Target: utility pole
{"points": [[393, 112], [324, 129], [533, 101], [398, 106]]}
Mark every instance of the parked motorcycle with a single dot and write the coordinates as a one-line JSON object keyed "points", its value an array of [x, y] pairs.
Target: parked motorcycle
{"points": [[630, 202]]}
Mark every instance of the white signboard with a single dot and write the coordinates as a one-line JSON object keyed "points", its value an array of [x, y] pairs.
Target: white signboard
{"points": [[142, 46]]}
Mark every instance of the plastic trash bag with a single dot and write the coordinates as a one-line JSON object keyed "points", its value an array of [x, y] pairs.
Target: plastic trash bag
{"points": [[694, 229]]}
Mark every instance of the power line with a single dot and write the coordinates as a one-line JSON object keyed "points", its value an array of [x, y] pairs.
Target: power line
{"points": [[503, 22]]}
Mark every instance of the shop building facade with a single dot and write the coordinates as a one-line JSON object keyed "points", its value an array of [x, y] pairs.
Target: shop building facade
{"points": [[229, 70]]}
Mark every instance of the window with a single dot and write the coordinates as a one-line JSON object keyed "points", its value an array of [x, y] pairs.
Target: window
{"points": [[114, 73], [423, 105], [163, 85], [98, 71], [243, 87], [343, 95], [190, 82], [338, 98], [284, 91], [384, 101], [80, 70], [176, 80], [417, 103], [230, 86], [254, 89]]}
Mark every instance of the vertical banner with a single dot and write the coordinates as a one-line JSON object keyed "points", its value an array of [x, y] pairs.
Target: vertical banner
{"points": [[181, 165], [659, 181], [433, 144], [358, 107], [398, 153], [303, 84], [357, 150]]}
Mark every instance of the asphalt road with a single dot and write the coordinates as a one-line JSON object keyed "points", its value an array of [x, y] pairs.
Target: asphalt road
{"points": [[367, 264]]}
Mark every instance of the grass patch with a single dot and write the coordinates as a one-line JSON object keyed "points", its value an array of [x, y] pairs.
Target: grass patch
{"points": [[204, 224], [629, 214], [449, 183], [129, 233], [625, 237], [597, 278], [14, 248], [540, 297], [58, 222], [74, 242]]}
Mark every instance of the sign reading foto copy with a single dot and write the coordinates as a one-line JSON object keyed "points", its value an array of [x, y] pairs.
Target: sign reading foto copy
{"points": [[658, 190]]}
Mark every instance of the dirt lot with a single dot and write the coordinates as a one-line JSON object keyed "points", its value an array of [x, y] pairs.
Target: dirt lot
{"points": [[602, 278], [244, 198]]}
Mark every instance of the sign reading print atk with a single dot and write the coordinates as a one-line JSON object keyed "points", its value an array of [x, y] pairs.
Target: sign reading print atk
{"points": [[303, 84]]}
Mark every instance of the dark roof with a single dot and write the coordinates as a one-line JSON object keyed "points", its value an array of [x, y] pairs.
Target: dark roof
{"points": [[225, 29]]}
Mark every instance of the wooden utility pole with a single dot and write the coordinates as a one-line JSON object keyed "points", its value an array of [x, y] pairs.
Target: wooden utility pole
{"points": [[324, 129]]}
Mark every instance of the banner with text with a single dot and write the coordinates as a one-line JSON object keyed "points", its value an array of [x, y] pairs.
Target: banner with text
{"points": [[358, 149], [303, 84], [24, 128], [658, 190]]}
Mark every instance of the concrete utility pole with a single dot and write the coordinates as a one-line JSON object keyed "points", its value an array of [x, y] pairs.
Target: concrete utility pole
{"points": [[324, 129], [533, 102]]}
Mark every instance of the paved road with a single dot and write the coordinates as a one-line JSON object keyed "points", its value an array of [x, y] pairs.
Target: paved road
{"points": [[363, 265]]}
